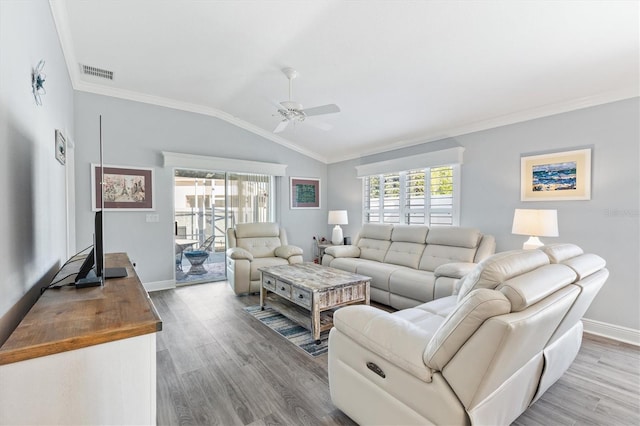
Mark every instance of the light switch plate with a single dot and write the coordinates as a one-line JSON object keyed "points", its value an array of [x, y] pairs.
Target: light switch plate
{"points": [[153, 217]]}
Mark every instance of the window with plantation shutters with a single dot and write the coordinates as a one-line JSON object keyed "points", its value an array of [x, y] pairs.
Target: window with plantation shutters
{"points": [[421, 196]]}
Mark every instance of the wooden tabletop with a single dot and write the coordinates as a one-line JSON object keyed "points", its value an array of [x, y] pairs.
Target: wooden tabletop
{"points": [[314, 277], [68, 318]]}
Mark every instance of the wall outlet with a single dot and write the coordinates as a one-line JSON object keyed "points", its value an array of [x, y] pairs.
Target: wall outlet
{"points": [[153, 217]]}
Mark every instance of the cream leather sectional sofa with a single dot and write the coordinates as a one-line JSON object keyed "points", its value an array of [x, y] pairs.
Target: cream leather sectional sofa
{"points": [[411, 264], [482, 356]]}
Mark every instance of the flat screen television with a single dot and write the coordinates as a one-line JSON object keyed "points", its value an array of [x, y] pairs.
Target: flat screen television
{"points": [[92, 272]]}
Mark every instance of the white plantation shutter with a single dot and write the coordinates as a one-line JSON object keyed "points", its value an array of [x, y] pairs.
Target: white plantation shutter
{"points": [[415, 202], [441, 196], [420, 196], [391, 198]]}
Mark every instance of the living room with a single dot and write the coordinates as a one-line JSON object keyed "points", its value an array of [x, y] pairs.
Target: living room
{"points": [[49, 215]]}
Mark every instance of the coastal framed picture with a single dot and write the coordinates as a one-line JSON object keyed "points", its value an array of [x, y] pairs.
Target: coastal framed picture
{"points": [[557, 176], [305, 193], [125, 188]]}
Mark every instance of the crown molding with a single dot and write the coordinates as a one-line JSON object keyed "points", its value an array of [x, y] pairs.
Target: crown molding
{"points": [[60, 16], [504, 120], [98, 89]]}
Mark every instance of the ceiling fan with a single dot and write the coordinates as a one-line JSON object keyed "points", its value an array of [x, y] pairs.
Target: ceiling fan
{"points": [[293, 111]]}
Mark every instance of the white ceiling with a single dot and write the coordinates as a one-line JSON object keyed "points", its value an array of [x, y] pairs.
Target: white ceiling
{"points": [[403, 72]]}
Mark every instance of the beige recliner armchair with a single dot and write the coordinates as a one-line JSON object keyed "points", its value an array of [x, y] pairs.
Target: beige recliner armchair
{"points": [[480, 357], [253, 246]]}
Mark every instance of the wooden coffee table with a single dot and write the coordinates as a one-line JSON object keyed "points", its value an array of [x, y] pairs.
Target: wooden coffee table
{"points": [[308, 293]]}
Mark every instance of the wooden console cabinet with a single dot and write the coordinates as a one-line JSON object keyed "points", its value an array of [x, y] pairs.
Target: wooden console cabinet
{"points": [[83, 356]]}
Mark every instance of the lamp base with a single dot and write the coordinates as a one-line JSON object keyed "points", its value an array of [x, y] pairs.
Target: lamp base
{"points": [[532, 243], [336, 236]]}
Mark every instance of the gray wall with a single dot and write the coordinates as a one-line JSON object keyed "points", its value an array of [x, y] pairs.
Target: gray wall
{"points": [[33, 220], [607, 225], [135, 134]]}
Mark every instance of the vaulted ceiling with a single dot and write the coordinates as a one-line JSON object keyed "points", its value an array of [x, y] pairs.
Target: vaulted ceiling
{"points": [[402, 72]]}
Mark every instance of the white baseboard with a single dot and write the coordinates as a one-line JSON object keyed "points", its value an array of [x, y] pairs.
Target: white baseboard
{"points": [[611, 331], [159, 285]]}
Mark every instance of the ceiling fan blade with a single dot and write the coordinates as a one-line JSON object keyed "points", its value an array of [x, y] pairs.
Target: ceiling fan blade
{"points": [[321, 126], [324, 109], [281, 126]]}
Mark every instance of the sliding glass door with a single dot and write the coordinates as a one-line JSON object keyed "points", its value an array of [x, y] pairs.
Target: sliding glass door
{"points": [[249, 198], [206, 204]]}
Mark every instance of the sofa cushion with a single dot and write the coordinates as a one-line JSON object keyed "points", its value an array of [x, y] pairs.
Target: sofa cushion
{"points": [[500, 267], [349, 264], [435, 255], [405, 254], [560, 252], [454, 236], [429, 316], [261, 229], [468, 316], [376, 231], [259, 247], [343, 251], [410, 233], [379, 273], [531, 287], [287, 251], [373, 249], [573, 256], [412, 283], [585, 264]]}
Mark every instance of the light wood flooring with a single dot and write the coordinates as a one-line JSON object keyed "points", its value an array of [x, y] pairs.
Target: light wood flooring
{"points": [[217, 365]]}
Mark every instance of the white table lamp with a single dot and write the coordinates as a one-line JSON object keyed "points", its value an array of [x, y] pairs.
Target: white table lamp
{"points": [[535, 223], [337, 218]]}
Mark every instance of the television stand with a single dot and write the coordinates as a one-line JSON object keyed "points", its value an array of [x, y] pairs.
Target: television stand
{"points": [[91, 280], [114, 273], [91, 353]]}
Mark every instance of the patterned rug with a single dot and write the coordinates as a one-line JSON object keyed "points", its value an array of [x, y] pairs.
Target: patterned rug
{"points": [[290, 330]]}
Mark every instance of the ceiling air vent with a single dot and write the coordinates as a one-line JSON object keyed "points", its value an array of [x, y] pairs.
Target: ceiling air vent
{"points": [[96, 72]]}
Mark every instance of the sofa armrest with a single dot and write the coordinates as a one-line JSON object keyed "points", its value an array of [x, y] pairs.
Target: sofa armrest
{"points": [[287, 251], [237, 253], [343, 251], [388, 336], [454, 270]]}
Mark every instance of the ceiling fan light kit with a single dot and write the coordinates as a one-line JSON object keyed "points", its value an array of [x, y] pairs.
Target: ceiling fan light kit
{"points": [[293, 111]]}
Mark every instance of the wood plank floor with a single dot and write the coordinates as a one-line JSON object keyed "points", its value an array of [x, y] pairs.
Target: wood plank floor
{"points": [[217, 365]]}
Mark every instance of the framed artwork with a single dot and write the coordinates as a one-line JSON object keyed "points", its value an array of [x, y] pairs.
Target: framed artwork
{"points": [[557, 176], [305, 193], [125, 188], [61, 147]]}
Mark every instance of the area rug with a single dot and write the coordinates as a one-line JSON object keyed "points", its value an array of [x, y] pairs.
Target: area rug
{"points": [[290, 330]]}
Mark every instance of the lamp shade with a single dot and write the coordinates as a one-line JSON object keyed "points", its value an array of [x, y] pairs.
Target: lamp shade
{"points": [[537, 223], [338, 217]]}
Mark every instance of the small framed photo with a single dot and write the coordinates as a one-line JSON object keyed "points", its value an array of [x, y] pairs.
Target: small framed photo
{"points": [[61, 147], [305, 193], [557, 176], [125, 188]]}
